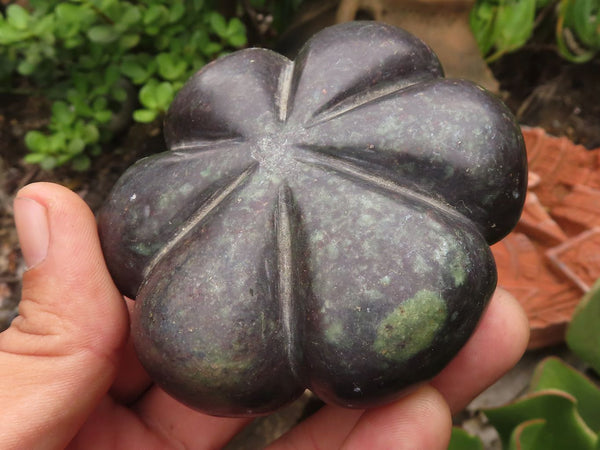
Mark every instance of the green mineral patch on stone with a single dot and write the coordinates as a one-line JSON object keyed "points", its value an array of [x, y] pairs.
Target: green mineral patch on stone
{"points": [[186, 188], [143, 248], [411, 327], [457, 268], [334, 332], [420, 265]]}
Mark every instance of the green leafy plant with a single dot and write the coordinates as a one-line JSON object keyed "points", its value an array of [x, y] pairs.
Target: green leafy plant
{"points": [[502, 26], [562, 408], [461, 440], [578, 29], [92, 58]]}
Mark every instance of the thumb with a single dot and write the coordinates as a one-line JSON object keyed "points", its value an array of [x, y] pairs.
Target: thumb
{"points": [[59, 356]]}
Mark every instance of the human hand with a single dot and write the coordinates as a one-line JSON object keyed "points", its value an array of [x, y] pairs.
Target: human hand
{"points": [[70, 376]]}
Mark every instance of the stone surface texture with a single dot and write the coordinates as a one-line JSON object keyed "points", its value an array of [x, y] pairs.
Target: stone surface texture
{"points": [[320, 223]]}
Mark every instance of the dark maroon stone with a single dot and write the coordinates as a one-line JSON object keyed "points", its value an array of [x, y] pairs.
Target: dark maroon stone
{"points": [[321, 223]]}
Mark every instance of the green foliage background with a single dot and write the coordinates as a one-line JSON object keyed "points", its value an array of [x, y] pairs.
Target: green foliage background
{"points": [[502, 26], [92, 58]]}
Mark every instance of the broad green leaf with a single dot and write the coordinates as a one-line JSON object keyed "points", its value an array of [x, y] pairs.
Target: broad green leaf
{"points": [[154, 13], [76, 145], [583, 333], [68, 12], [135, 71], [552, 373], [169, 68], [17, 16], [563, 426], [144, 115], [89, 133], [57, 142], [156, 96], [585, 21], [147, 94], [564, 35], [164, 95], [515, 25], [461, 440], [103, 34], [129, 41], [130, 17], [103, 116], [482, 21], [176, 12], [81, 106], [62, 113], [526, 436], [235, 26], [48, 163], [26, 67], [44, 27], [34, 158], [218, 24], [165, 62], [237, 40], [236, 33], [36, 141], [10, 35]]}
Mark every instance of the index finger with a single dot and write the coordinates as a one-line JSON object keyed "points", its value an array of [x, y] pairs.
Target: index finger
{"points": [[496, 346]]}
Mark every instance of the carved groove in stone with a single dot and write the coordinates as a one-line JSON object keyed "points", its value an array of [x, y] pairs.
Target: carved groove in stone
{"points": [[346, 103], [202, 145], [284, 266], [285, 91], [199, 216], [331, 163]]}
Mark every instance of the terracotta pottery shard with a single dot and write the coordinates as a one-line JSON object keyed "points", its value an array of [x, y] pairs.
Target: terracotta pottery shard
{"points": [[579, 258], [533, 180], [580, 208], [560, 165], [547, 298], [536, 222], [594, 180], [551, 258]]}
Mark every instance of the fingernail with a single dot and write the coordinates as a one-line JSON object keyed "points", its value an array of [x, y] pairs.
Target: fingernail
{"points": [[31, 219]]}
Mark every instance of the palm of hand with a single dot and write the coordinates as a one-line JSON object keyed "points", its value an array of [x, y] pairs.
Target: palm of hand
{"points": [[73, 378]]}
